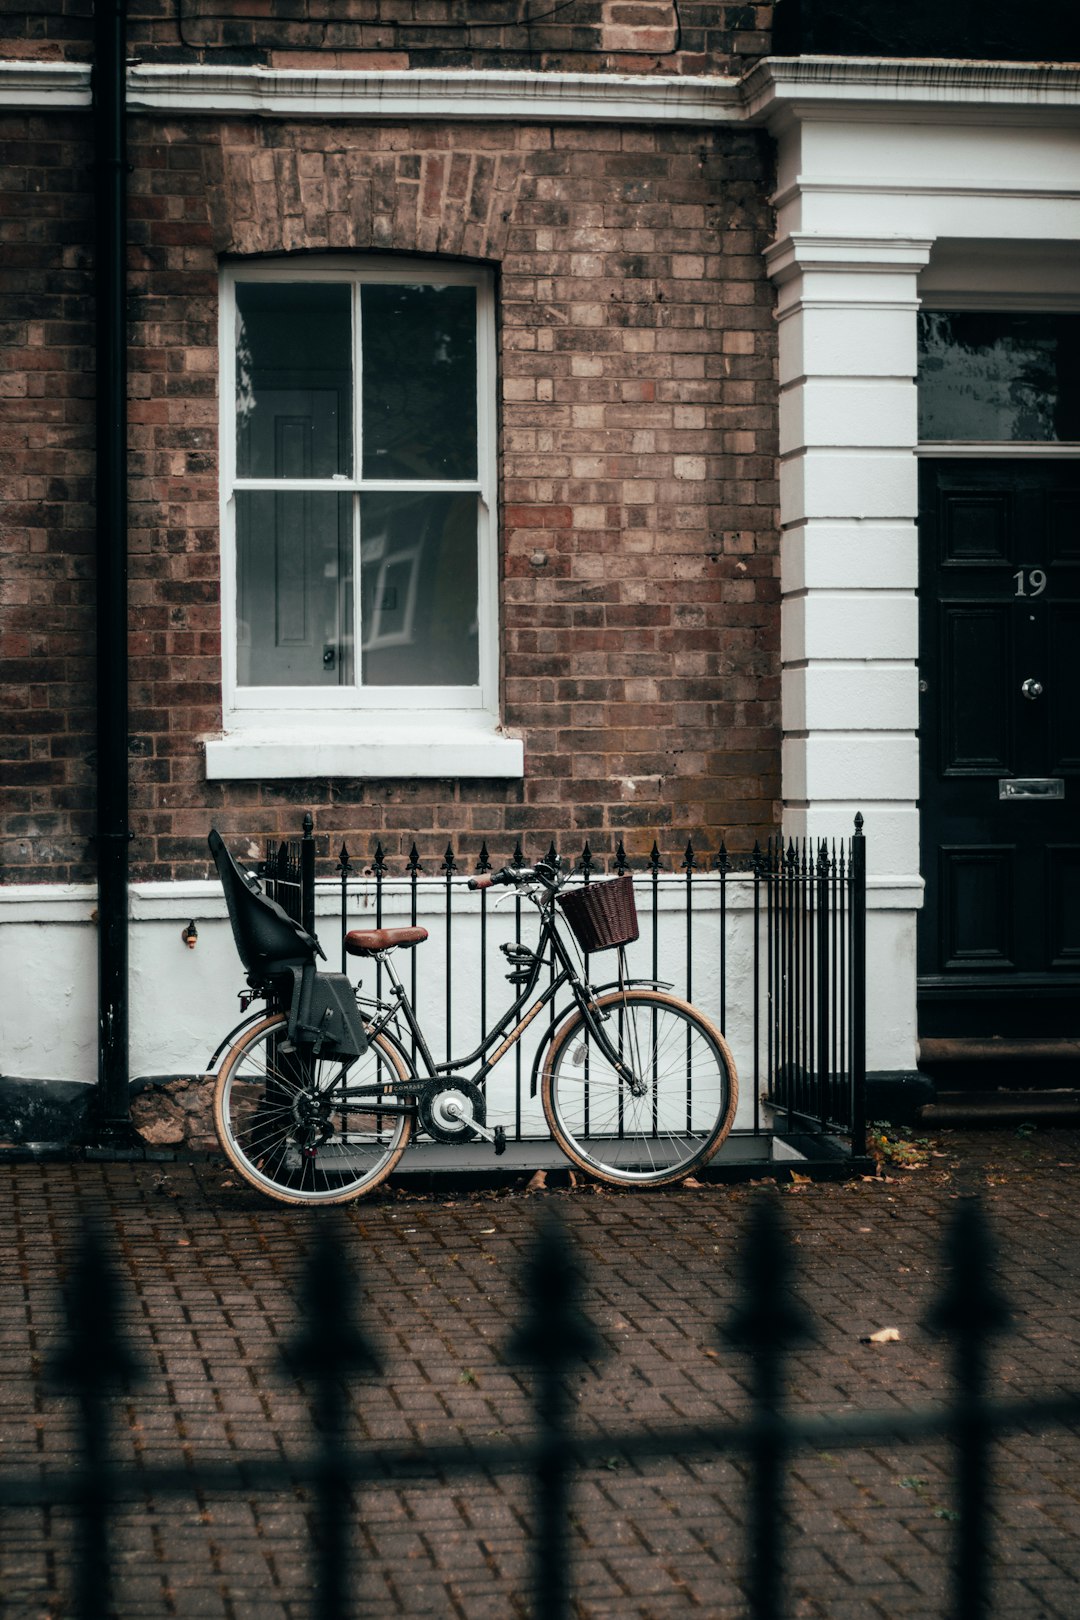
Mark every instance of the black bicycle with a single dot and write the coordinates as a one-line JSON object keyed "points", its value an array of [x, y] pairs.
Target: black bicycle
{"points": [[317, 1100]]}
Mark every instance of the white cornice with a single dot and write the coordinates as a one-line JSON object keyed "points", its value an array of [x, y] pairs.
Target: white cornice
{"points": [[44, 86], [780, 88], [800, 251], [777, 90], [427, 93]]}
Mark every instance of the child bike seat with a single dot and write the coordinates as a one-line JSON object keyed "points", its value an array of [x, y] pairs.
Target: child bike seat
{"points": [[268, 941]]}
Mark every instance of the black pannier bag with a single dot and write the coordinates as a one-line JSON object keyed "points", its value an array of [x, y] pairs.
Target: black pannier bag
{"points": [[323, 1014]]}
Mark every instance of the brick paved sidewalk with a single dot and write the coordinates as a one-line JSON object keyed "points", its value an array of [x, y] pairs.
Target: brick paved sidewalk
{"points": [[211, 1275]]}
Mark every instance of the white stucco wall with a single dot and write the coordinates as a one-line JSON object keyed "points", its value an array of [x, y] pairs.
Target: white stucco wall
{"points": [[183, 1001]]}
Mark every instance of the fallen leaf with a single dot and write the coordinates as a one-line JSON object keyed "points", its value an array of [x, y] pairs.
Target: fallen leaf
{"points": [[691, 1181], [888, 1335], [537, 1182], [184, 1243], [795, 1176]]}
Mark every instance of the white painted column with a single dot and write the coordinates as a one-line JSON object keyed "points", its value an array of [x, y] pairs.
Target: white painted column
{"points": [[849, 634]]}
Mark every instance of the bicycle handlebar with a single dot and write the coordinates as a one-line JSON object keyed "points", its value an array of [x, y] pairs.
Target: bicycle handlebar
{"points": [[518, 876]]}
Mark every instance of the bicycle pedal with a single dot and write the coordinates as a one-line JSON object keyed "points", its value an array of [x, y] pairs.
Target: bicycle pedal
{"points": [[500, 1140]]}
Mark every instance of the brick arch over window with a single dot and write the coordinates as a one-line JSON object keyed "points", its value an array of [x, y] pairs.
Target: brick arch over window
{"points": [[284, 193]]}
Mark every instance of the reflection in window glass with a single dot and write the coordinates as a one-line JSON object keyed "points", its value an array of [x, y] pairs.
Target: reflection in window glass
{"points": [[369, 581], [294, 588], [999, 376], [419, 411], [418, 589], [293, 379]]}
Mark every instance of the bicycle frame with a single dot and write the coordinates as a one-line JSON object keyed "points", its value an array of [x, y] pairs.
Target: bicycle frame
{"points": [[550, 952]]}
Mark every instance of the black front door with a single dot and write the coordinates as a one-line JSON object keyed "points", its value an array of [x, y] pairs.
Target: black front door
{"points": [[999, 638]]}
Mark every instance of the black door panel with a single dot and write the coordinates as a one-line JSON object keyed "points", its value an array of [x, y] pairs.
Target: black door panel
{"points": [[999, 589]]}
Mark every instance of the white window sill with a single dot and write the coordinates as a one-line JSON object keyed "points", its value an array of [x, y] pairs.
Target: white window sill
{"points": [[440, 746]]}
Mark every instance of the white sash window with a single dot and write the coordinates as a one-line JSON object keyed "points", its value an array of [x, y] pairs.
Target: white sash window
{"points": [[358, 493]]}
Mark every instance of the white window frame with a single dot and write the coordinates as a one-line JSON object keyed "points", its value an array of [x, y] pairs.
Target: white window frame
{"points": [[353, 730]]}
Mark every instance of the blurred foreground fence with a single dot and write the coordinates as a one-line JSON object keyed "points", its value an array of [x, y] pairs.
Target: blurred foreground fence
{"points": [[555, 1339], [770, 945]]}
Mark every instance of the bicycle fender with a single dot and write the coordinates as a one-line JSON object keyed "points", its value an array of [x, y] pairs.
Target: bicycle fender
{"points": [[231, 1038], [630, 984], [647, 984]]}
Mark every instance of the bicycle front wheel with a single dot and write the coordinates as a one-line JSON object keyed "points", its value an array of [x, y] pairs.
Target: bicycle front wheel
{"points": [[299, 1129], [661, 1119]]}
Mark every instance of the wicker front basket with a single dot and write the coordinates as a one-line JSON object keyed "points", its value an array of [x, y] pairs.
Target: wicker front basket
{"points": [[602, 915]]}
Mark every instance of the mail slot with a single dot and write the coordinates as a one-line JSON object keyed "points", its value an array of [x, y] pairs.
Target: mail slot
{"points": [[1031, 787]]}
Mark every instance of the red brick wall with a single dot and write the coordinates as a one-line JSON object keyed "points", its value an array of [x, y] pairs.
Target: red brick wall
{"points": [[591, 36], [46, 510], [640, 603]]}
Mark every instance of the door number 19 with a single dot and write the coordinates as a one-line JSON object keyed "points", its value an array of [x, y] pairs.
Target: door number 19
{"points": [[1029, 582]]}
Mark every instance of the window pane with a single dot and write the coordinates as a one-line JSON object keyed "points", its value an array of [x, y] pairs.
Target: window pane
{"points": [[294, 588], [293, 380], [419, 359], [418, 590], [998, 376]]}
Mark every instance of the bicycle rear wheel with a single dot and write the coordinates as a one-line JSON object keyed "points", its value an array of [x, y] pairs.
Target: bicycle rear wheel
{"points": [[668, 1118], [296, 1129]]}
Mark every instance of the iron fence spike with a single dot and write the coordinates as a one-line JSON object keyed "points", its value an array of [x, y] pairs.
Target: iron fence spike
{"points": [[970, 1305], [95, 1355], [555, 1332], [330, 1344], [483, 863], [769, 1319]]}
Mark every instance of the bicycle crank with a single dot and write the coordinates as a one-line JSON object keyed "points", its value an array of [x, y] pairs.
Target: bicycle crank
{"points": [[456, 1111]]}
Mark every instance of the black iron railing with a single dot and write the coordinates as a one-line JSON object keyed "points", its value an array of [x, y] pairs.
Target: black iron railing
{"points": [[288, 871], [814, 904], [793, 914], [555, 1339]]}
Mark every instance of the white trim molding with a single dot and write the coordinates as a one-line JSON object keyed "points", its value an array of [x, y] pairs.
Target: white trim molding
{"points": [[439, 748], [45, 86], [247, 92], [775, 91], [782, 88], [432, 93]]}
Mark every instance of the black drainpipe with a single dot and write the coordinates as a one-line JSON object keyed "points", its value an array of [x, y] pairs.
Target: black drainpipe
{"points": [[113, 832]]}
